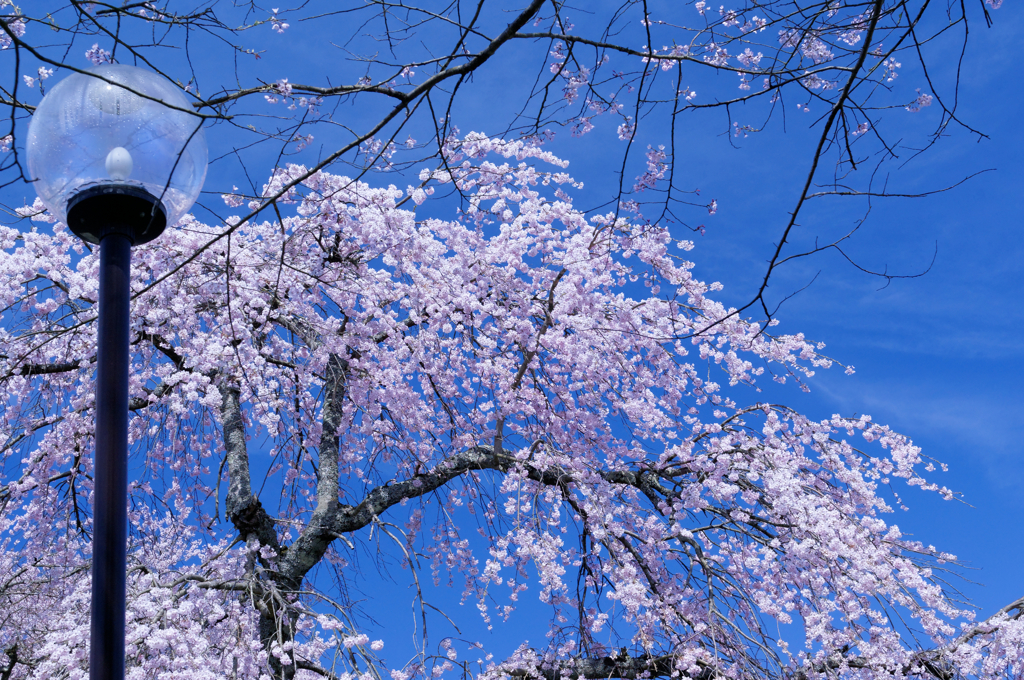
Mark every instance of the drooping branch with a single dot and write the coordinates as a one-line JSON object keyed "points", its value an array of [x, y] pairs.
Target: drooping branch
{"points": [[1013, 611]]}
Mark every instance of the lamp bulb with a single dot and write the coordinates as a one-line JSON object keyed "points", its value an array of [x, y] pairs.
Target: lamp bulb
{"points": [[119, 163]]}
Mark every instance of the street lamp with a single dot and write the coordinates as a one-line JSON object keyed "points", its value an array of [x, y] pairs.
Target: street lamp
{"points": [[115, 154]]}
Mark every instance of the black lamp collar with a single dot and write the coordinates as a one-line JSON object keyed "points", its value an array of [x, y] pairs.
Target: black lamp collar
{"points": [[116, 209]]}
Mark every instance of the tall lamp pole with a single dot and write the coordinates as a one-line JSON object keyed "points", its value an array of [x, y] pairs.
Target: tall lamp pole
{"points": [[115, 154]]}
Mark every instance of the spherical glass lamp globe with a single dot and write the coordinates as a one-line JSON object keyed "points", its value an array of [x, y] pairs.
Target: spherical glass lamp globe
{"points": [[116, 148]]}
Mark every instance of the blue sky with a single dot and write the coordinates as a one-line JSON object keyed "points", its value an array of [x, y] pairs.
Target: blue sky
{"points": [[938, 357]]}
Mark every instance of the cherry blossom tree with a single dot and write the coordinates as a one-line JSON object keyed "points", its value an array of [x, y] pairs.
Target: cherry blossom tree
{"points": [[470, 381]]}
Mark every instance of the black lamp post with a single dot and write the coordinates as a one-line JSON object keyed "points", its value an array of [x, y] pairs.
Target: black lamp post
{"points": [[116, 155]]}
